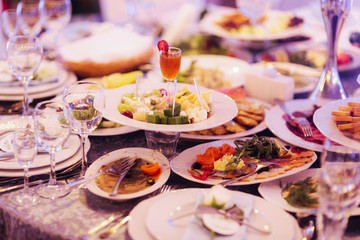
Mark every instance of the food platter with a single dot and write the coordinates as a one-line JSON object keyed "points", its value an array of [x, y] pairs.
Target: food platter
{"points": [[150, 155], [208, 25], [323, 121], [285, 227], [262, 126], [181, 163], [219, 114], [113, 131], [233, 68]]}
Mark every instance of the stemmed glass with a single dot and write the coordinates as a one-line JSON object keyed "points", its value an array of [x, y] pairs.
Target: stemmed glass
{"points": [[86, 101], [25, 149], [52, 129], [28, 15], [9, 23], [329, 86], [338, 189], [56, 14], [24, 55]]}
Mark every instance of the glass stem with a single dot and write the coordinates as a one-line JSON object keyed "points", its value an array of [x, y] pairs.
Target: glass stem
{"points": [[26, 179], [52, 180], [84, 158], [25, 83]]}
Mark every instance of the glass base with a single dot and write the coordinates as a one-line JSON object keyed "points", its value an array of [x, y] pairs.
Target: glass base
{"points": [[52, 191], [25, 197]]}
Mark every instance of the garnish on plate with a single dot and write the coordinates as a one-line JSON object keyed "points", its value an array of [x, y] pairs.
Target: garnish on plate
{"points": [[303, 193]]}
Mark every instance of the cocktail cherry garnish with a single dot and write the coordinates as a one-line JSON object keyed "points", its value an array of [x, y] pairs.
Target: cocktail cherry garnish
{"points": [[163, 46]]}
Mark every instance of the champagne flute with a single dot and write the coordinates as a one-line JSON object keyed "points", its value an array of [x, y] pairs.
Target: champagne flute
{"points": [[338, 189], [86, 101], [25, 149], [52, 129], [24, 55], [28, 15], [9, 23], [56, 14]]}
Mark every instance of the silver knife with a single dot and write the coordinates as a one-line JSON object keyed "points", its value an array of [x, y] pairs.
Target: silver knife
{"points": [[16, 187], [114, 228]]}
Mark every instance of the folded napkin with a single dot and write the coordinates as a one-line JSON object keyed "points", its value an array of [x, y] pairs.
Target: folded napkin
{"points": [[196, 229]]}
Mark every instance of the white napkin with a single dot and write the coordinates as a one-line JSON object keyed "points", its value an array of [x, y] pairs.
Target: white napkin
{"points": [[196, 230]]}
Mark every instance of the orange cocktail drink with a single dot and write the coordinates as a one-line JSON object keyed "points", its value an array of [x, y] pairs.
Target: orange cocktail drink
{"points": [[170, 63]]}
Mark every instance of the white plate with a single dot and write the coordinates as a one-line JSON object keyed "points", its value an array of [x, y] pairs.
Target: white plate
{"points": [[43, 159], [209, 26], [219, 114], [304, 85], [284, 227], [70, 77], [233, 68], [113, 131], [181, 163], [150, 155], [271, 191], [275, 122], [323, 121], [262, 126], [44, 170]]}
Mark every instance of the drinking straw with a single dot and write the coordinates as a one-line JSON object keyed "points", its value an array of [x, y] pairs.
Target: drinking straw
{"points": [[198, 93]]}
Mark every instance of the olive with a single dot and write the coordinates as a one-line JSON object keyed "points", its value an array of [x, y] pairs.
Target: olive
{"points": [[196, 165]]}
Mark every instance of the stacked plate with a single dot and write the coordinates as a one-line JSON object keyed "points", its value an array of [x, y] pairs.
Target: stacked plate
{"points": [[70, 154], [50, 81]]}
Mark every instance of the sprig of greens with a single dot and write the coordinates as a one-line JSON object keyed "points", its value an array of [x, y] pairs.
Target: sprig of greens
{"points": [[256, 147]]}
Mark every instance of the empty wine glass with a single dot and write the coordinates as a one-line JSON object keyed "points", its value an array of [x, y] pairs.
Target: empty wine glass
{"points": [[253, 9], [52, 129], [28, 15], [86, 101], [24, 55], [9, 23], [338, 189], [56, 14], [25, 149]]}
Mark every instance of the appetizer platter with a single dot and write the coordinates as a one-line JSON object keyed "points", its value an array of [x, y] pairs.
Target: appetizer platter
{"points": [[324, 121], [150, 172], [110, 128], [165, 204], [215, 162], [230, 23], [212, 114]]}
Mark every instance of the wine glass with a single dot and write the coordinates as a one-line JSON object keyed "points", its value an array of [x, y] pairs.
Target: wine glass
{"points": [[25, 149], [52, 129], [253, 9], [28, 15], [24, 55], [86, 101], [338, 189], [56, 14], [9, 23], [329, 86]]}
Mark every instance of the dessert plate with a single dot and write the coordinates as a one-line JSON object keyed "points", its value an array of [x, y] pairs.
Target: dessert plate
{"points": [[182, 162], [219, 113], [283, 228], [147, 154]]}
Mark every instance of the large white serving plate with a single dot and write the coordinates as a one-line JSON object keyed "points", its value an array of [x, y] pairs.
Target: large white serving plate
{"points": [[113, 131], [182, 162], [223, 109], [284, 227], [275, 122], [324, 122], [262, 126], [44, 170], [233, 68], [42, 159], [147, 154], [208, 25]]}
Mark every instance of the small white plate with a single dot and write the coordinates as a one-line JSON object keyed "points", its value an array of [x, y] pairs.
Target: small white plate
{"points": [[150, 155], [262, 126], [182, 162], [323, 121], [208, 25], [219, 114], [284, 227], [276, 123], [233, 68]]}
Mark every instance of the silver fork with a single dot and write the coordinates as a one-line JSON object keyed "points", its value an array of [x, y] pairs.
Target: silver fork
{"points": [[303, 122]]}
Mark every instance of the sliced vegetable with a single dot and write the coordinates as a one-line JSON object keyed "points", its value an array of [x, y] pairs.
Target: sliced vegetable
{"points": [[150, 169], [197, 175]]}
